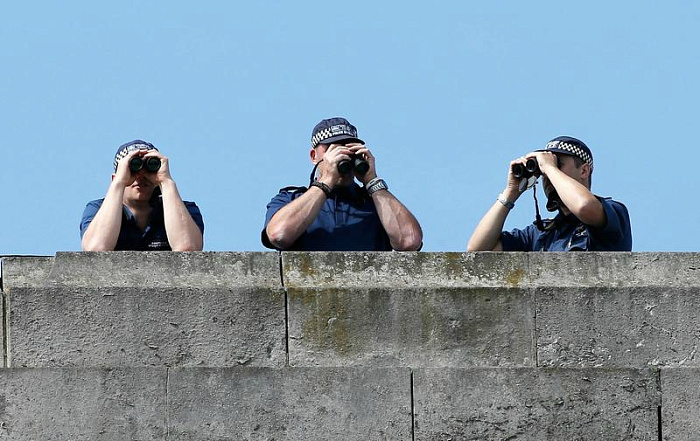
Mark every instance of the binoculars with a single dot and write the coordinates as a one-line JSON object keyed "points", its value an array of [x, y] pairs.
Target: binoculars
{"points": [[530, 168], [356, 162], [150, 164]]}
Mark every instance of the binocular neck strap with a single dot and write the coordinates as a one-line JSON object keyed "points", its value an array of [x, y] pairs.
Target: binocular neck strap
{"points": [[538, 219]]}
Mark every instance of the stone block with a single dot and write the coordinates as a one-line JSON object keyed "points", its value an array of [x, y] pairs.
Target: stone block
{"points": [[613, 270], [289, 403], [152, 269], [681, 399], [408, 309], [404, 270], [82, 404], [108, 327], [535, 404], [148, 309], [618, 326], [20, 271], [435, 327]]}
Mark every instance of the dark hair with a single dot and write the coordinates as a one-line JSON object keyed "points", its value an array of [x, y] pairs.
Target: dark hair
{"points": [[578, 162]]}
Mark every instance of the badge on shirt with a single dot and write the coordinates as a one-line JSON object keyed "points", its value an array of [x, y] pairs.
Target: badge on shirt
{"points": [[579, 239]]}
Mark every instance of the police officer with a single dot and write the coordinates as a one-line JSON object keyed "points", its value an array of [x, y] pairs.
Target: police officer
{"points": [[142, 209], [585, 222], [334, 213]]}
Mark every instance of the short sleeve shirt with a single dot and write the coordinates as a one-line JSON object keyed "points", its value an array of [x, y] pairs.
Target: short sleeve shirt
{"points": [[567, 233], [348, 221], [153, 238]]}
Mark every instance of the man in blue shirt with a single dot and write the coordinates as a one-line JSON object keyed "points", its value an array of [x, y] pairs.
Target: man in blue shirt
{"points": [[585, 222], [142, 209], [334, 213]]}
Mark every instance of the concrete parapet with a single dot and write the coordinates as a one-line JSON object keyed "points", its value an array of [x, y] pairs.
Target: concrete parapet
{"points": [[147, 309], [681, 401], [504, 345], [536, 404], [292, 403], [82, 404]]}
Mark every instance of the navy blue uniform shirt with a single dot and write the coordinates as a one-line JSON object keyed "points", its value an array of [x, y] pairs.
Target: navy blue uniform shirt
{"points": [[348, 221], [153, 238], [567, 233]]}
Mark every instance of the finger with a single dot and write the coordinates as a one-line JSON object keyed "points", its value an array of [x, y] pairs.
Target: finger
{"points": [[153, 154], [340, 151], [365, 151], [130, 155]]}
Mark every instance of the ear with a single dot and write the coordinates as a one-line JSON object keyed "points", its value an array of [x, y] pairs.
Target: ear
{"points": [[113, 175], [313, 154], [585, 170]]}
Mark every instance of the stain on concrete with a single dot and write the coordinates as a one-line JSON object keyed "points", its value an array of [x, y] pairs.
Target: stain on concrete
{"points": [[306, 265], [515, 277], [454, 266], [326, 327]]}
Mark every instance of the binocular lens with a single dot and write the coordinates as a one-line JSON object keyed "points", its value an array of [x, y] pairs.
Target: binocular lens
{"points": [[137, 163], [518, 170], [525, 171], [344, 166], [152, 164], [359, 164], [531, 166]]}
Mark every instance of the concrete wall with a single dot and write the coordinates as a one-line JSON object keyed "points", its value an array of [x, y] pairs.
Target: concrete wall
{"points": [[414, 346]]}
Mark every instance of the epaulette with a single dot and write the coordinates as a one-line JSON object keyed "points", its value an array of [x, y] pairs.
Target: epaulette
{"points": [[293, 189]]}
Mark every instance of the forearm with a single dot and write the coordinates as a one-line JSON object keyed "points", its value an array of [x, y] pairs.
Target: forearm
{"points": [[103, 232], [578, 199], [292, 220], [487, 234], [401, 226], [183, 233]]}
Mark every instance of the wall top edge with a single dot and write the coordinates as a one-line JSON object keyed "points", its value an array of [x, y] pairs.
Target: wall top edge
{"points": [[354, 270], [144, 270]]}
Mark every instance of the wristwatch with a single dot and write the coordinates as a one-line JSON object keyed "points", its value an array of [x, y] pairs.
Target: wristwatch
{"points": [[375, 185], [502, 199]]}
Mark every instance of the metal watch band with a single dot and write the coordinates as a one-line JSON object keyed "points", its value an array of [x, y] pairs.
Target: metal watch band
{"points": [[325, 188], [376, 186], [506, 203], [372, 182]]}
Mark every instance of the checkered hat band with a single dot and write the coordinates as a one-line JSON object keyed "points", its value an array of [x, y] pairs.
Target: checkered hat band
{"points": [[573, 149], [128, 149], [332, 131]]}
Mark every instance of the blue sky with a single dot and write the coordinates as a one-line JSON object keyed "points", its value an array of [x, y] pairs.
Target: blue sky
{"points": [[445, 95]]}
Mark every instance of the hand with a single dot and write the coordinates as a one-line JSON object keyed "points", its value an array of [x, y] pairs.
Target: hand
{"points": [[163, 173], [362, 151], [512, 191], [123, 176], [545, 160], [328, 168]]}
